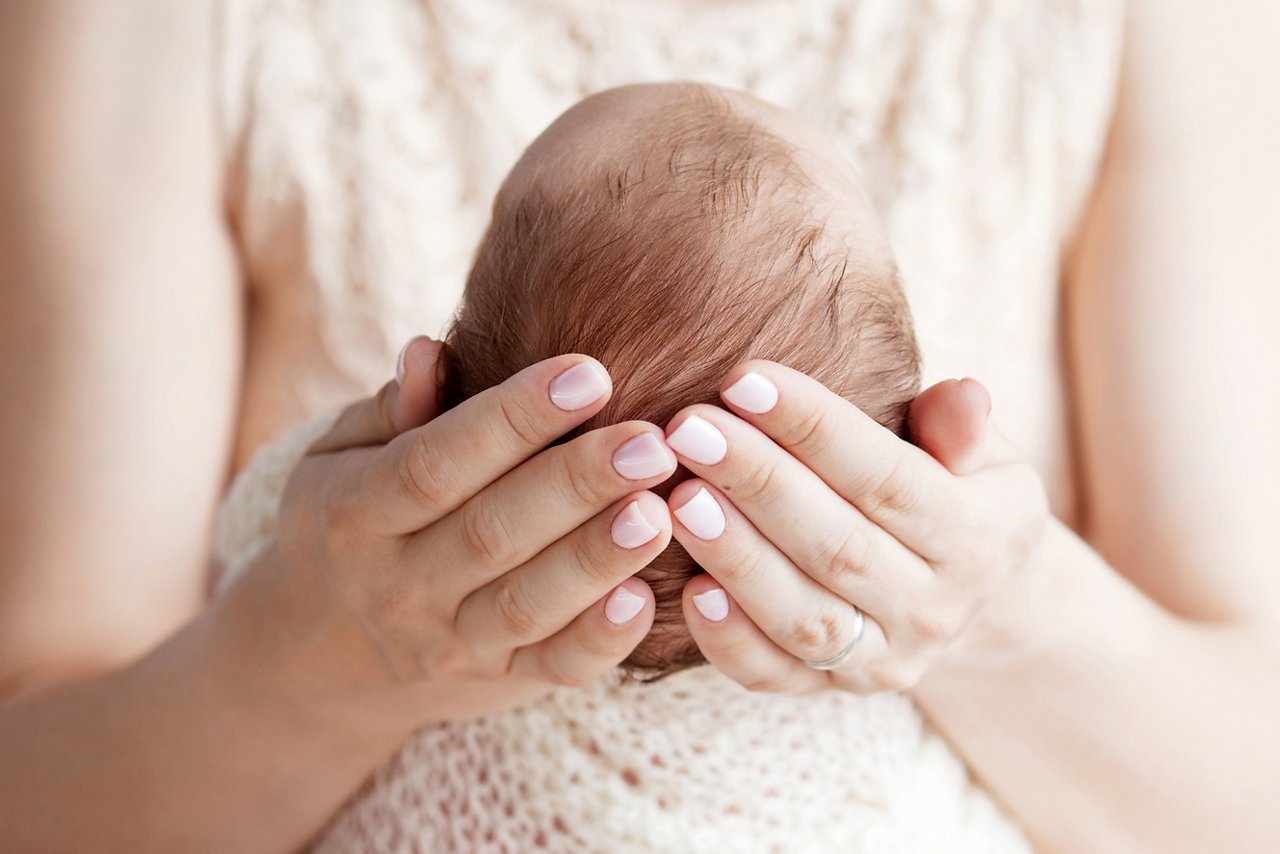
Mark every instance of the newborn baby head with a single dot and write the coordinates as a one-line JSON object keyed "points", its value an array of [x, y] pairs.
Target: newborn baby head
{"points": [[672, 231]]}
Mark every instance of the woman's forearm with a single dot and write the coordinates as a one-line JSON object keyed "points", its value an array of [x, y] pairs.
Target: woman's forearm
{"points": [[1106, 724], [202, 745]]}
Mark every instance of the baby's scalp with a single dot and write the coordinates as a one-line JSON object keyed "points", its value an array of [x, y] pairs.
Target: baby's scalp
{"points": [[672, 231]]}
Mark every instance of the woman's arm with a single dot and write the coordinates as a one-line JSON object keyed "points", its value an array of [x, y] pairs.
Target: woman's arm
{"points": [[1108, 713], [245, 728], [1141, 725], [119, 335]]}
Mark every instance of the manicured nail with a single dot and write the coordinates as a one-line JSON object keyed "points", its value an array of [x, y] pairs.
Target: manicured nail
{"points": [[622, 606], [581, 385], [712, 604], [702, 515], [400, 358], [753, 393], [642, 457], [630, 529], [696, 439]]}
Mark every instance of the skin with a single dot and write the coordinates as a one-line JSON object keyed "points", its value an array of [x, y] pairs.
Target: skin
{"points": [[222, 731]]}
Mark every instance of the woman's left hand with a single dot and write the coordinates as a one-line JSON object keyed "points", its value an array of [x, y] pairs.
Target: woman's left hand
{"points": [[804, 507]]}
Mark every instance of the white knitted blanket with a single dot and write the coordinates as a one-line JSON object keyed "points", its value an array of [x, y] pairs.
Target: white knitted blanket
{"points": [[692, 763]]}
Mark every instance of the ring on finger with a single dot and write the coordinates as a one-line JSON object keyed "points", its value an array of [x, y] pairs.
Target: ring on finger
{"points": [[843, 655]]}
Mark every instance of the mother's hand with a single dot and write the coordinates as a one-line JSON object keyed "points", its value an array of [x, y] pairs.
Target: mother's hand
{"points": [[456, 568], [805, 508]]}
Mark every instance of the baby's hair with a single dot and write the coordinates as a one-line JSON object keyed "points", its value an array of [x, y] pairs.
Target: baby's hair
{"points": [[700, 246]]}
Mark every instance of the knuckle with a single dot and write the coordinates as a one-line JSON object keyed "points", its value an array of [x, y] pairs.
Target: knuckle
{"points": [[773, 682], [757, 484], [808, 432], [558, 672], [516, 614], [519, 424], [740, 569], [580, 488], [400, 608], [420, 478], [847, 559], [819, 634], [594, 562], [897, 493], [451, 659], [891, 675], [485, 537], [931, 625]]}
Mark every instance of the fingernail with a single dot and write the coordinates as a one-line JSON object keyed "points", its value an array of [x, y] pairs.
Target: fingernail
{"points": [[712, 604], [696, 439], [581, 385], [630, 529], [753, 393], [702, 515], [622, 606], [400, 359], [642, 457]]}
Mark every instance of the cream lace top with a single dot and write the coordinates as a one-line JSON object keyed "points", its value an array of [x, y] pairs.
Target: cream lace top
{"points": [[366, 139]]}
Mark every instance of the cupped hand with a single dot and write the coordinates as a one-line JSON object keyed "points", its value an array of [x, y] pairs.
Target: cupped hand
{"points": [[805, 508], [448, 563]]}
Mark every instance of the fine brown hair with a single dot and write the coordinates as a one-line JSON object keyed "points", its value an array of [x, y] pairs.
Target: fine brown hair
{"points": [[702, 244]]}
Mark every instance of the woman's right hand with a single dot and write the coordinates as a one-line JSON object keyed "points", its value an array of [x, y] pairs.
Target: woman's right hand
{"points": [[456, 569]]}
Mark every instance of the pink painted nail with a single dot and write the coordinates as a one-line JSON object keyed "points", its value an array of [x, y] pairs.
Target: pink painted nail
{"points": [[622, 606], [642, 457], [712, 604], [753, 393], [400, 359], [630, 528], [702, 515], [579, 386], [696, 439]]}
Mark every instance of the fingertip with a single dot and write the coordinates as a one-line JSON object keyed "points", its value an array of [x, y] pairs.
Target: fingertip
{"points": [[418, 381], [949, 421], [415, 350], [579, 385], [643, 521], [978, 394], [706, 598], [627, 602], [698, 510]]}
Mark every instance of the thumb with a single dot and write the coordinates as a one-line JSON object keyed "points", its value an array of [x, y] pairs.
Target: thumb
{"points": [[949, 421], [410, 400]]}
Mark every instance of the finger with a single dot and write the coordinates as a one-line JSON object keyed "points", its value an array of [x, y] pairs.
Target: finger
{"points": [[950, 421], [896, 484], [543, 499], [794, 611], [544, 595], [735, 645], [430, 471], [593, 643], [409, 401], [793, 507]]}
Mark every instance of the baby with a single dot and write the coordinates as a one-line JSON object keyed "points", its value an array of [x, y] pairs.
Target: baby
{"points": [[671, 231]]}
